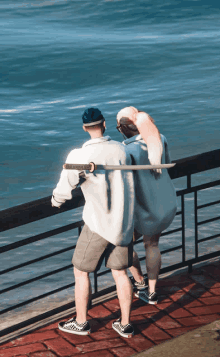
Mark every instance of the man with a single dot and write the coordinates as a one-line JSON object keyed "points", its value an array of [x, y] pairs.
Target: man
{"points": [[108, 217], [155, 205]]}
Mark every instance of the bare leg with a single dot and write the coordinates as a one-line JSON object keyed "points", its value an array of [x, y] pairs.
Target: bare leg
{"points": [[153, 260], [136, 268], [124, 291], [152, 285], [82, 292]]}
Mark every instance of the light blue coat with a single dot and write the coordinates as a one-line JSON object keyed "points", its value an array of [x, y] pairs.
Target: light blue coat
{"points": [[156, 204]]}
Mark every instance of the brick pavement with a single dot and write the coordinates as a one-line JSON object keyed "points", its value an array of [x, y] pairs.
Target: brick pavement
{"points": [[187, 301]]}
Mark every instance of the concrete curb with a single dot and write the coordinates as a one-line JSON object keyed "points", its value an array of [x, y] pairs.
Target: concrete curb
{"points": [[202, 342]]}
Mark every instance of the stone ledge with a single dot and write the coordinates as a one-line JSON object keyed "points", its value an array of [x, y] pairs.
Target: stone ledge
{"points": [[202, 342]]}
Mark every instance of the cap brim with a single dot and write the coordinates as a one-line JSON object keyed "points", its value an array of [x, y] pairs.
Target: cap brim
{"points": [[94, 123]]}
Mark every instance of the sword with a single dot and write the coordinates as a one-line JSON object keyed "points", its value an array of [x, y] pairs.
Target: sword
{"points": [[91, 167]]}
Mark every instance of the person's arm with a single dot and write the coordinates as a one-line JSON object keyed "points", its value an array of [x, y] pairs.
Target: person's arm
{"points": [[150, 134], [69, 180]]}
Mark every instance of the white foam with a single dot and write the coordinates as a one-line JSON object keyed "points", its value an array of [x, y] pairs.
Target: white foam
{"points": [[8, 110], [79, 106], [54, 101], [52, 132], [117, 101]]}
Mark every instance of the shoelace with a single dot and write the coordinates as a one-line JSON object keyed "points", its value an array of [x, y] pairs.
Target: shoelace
{"points": [[150, 295], [74, 323], [125, 326]]}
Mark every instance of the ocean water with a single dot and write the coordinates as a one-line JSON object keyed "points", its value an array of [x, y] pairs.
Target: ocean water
{"points": [[60, 57]]}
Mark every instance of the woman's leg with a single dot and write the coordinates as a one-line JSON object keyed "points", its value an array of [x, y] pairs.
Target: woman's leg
{"points": [[153, 260], [135, 269]]}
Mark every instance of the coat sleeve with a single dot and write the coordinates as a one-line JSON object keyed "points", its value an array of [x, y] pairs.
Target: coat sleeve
{"points": [[68, 181]]}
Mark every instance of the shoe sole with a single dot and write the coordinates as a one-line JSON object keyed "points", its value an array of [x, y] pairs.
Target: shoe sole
{"points": [[82, 333], [130, 335], [145, 300]]}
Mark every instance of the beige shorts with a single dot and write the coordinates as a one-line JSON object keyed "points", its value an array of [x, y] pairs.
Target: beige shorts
{"points": [[91, 249]]}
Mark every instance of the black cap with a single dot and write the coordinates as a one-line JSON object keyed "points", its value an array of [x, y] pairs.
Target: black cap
{"points": [[92, 116]]}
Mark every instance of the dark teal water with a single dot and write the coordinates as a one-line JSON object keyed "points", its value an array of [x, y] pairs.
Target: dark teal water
{"points": [[60, 57]]}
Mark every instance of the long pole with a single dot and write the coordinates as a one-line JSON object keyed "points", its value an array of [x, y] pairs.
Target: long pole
{"points": [[92, 167]]}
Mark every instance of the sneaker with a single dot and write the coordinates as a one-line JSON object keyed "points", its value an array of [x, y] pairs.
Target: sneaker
{"points": [[126, 331], [145, 296], [72, 326], [140, 286]]}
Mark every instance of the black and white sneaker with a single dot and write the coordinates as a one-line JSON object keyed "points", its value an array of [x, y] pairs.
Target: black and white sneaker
{"points": [[72, 326], [140, 286], [145, 296], [126, 331]]}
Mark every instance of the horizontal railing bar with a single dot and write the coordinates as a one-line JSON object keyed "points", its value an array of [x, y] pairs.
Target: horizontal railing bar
{"points": [[112, 288], [36, 260], [170, 232], [162, 234], [204, 186], [139, 241], [40, 236], [179, 212], [39, 209], [36, 210], [162, 271], [104, 272], [172, 249], [36, 298], [52, 312], [165, 251], [208, 204], [142, 258], [208, 220], [208, 238], [195, 164], [35, 279], [190, 262]]}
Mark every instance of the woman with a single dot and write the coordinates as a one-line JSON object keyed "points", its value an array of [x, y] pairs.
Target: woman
{"points": [[156, 204]]}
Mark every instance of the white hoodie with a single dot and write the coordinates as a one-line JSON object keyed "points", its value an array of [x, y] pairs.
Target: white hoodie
{"points": [[109, 195]]}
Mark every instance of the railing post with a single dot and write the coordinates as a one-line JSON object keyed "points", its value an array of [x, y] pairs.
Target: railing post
{"points": [[189, 268], [196, 224], [95, 282], [188, 181], [183, 228]]}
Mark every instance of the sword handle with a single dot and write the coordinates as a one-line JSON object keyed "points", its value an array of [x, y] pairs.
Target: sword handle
{"points": [[91, 167]]}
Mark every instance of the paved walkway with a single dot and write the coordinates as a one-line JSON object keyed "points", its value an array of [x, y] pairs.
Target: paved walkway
{"points": [[187, 302]]}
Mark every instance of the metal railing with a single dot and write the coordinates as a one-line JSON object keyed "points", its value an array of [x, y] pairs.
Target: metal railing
{"points": [[39, 209]]}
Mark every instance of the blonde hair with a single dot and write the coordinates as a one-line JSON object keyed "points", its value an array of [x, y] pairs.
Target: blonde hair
{"points": [[149, 132]]}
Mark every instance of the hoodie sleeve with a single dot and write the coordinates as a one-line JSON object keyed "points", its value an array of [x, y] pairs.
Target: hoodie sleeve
{"points": [[68, 181]]}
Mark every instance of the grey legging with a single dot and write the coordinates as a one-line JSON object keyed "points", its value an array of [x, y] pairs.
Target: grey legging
{"points": [[153, 256]]}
